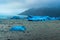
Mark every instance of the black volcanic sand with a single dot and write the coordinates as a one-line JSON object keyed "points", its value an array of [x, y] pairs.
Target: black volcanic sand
{"points": [[35, 30]]}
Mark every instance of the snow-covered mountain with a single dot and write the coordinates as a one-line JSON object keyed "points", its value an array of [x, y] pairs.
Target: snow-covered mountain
{"points": [[55, 12]]}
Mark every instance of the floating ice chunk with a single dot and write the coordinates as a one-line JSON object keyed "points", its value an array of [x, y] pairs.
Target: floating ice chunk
{"points": [[15, 17], [38, 18], [19, 17], [41, 18]]}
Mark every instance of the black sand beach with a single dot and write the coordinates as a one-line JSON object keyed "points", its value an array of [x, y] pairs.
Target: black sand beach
{"points": [[35, 30]]}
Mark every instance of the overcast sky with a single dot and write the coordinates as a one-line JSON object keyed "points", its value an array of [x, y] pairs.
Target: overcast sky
{"points": [[14, 7]]}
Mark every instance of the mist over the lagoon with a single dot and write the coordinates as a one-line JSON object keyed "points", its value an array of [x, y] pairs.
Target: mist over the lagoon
{"points": [[15, 7]]}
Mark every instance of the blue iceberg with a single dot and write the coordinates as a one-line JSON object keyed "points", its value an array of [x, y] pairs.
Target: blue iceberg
{"points": [[15, 17], [41, 18], [18, 28], [38, 18], [19, 17]]}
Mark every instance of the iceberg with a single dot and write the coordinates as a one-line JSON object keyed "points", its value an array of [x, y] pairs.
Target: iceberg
{"points": [[18, 28]]}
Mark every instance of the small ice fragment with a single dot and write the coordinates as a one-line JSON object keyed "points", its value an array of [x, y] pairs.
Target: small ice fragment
{"points": [[18, 28]]}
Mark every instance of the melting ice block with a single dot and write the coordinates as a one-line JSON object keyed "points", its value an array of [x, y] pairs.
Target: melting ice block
{"points": [[18, 28]]}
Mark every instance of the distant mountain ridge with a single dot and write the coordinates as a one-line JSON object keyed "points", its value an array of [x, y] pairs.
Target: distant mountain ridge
{"points": [[54, 12]]}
